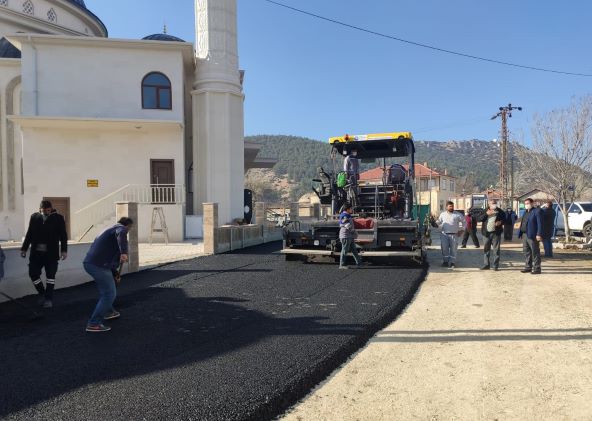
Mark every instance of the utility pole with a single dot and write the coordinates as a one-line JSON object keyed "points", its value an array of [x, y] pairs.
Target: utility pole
{"points": [[504, 113]]}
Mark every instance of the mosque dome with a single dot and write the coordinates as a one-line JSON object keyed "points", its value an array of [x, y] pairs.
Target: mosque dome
{"points": [[63, 17], [163, 37], [7, 50], [79, 3]]}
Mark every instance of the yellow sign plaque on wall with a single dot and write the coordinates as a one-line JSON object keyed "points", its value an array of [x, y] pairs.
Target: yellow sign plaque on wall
{"points": [[92, 183]]}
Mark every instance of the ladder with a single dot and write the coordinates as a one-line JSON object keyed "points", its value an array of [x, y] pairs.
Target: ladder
{"points": [[158, 212]]}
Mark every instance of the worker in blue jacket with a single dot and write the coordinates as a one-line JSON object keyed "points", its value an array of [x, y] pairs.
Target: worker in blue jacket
{"points": [[531, 232], [107, 252]]}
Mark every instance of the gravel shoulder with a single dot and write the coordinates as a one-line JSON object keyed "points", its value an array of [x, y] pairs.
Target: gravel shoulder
{"points": [[474, 344]]}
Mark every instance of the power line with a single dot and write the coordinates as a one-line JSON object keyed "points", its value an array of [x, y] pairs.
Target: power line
{"points": [[430, 47]]}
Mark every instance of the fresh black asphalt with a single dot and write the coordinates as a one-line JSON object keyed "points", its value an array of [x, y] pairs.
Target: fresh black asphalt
{"points": [[236, 336]]}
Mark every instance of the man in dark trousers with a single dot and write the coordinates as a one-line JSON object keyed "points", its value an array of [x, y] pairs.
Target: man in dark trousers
{"points": [[549, 215], [509, 224], [470, 231], [492, 228], [107, 252], [49, 241], [531, 231]]}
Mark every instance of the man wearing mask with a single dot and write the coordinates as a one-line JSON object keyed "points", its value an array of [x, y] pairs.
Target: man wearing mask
{"points": [[491, 229], [48, 240], [453, 225], [531, 231], [509, 224], [549, 215]]}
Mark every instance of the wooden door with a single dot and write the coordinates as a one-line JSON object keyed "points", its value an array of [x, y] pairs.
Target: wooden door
{"points": [[162, 178], [62, 205]]}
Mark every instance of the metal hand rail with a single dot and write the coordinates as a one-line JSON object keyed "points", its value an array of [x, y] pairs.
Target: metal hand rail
{"points": [[101, 210]]}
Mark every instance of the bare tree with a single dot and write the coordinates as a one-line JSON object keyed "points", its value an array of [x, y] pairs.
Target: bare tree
{"points": [[560, 153]]}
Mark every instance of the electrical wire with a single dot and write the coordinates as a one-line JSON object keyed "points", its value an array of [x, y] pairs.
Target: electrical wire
{"points": [[418, 44]]}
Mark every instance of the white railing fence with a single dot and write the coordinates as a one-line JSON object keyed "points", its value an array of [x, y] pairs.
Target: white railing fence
{"points": [[98, 212]]}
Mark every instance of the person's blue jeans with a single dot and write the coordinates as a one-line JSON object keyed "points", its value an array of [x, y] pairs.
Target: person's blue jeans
{"points": [[107, 292], [548, 246], [348, 245]]}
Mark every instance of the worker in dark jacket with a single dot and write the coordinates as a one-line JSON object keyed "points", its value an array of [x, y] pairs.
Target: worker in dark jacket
{"points": [[531, 232], [48, 240], [511, 218], [105, 255], [492, 228], [549, 215]]}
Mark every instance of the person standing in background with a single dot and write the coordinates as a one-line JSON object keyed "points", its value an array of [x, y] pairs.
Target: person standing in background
{"points": [[549, 215], [453, 225], [531, 231], [471, 223], [492, 228], [511, 218]]}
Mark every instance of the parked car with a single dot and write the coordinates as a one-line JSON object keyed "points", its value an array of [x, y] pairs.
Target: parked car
{"points": [[580, 218]]}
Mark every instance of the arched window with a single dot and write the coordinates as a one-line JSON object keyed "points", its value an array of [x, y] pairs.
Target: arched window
{"points": [[156, 92], [28, 8]]}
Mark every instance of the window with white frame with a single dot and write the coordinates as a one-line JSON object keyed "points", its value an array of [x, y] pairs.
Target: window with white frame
{"points": [[52, 16], [28, 8], [443, 184], [452, 186]]}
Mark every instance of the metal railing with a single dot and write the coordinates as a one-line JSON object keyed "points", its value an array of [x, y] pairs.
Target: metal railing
{"points": [[100, 211]]}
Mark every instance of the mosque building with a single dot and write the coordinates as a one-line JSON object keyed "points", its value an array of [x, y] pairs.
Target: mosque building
{"points": [[87, 120]]}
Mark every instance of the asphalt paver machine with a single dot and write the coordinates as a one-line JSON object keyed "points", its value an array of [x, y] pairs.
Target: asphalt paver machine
{"points": [[386, 215]]}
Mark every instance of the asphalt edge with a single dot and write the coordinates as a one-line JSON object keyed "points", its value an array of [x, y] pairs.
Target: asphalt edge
{"points": [[294, 393]]}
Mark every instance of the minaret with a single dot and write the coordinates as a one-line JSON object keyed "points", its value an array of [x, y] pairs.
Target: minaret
{"points": [[218, 121]]}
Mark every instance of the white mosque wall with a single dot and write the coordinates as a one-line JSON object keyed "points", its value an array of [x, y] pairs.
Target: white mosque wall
{"points": [[11, 203], [99, 81], [59, 161]]}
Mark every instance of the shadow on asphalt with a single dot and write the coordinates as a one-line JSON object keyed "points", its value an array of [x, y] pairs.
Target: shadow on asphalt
{"points": [[236, 336], [139, 343]]}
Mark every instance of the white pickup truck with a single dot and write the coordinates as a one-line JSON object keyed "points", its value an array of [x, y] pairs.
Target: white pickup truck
{"points": [[580, 218]]}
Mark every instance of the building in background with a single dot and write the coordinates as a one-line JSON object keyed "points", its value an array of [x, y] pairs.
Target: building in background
{"points": [[433, 188]]}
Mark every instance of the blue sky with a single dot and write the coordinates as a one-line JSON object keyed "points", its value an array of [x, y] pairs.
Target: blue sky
{"points": [[310, 78]]}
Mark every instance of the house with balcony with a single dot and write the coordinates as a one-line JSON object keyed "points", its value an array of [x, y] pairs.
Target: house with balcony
{"points": [[433, 187]]}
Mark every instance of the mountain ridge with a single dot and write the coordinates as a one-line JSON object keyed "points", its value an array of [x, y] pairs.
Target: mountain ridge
{"points": [[473, 162]]}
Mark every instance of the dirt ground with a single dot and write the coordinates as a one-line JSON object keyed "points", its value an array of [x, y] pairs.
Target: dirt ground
{"points": [[475, 345]]}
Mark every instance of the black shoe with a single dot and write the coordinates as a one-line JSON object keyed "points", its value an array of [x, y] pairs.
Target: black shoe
{"points": [[526, 270], [451, 266], [463, 247], [536, 272], [496, 268], [486, 267], [444, 264], [477, 247]]}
